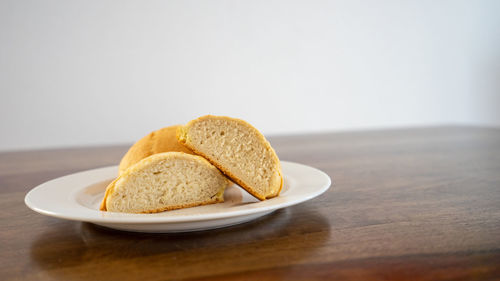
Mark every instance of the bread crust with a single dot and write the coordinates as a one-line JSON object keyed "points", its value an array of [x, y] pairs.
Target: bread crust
{"points": [[162, 140], [219, 197], [182, 136]]}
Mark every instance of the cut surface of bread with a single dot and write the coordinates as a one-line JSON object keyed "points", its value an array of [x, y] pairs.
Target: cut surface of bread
{"points": [[237, 149], [162, 140], [165, 181]]}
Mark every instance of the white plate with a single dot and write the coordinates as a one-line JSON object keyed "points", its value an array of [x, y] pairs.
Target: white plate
{"points": [[77, 197]]}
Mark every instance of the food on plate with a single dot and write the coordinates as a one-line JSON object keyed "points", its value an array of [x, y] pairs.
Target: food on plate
{"points": [[238, 149], [184, 166], [162, 140], [165, 181]]}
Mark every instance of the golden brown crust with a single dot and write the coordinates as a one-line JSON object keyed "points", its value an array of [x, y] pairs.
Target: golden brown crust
{"points": [[162, 140], [281, 186], [182, 136], [109, 190]]}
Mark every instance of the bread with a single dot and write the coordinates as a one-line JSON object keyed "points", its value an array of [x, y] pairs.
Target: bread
{"points": [[163, 140], [165, 181], [237, 149]]}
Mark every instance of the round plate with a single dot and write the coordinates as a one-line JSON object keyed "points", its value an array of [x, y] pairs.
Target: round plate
{"points": [[78, 196]]}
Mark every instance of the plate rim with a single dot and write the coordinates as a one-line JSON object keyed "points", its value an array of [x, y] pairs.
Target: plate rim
{"points": [[147, 219]]}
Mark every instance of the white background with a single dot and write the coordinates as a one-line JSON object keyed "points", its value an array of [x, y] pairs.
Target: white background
{"points": [[105, 72]]}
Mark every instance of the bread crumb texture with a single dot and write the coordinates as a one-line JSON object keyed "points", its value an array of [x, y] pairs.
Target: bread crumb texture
{"points": [[238, 149], [165, 181]]}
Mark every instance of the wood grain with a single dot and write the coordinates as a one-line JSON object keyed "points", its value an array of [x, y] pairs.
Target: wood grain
{"points": [[410, 204]]}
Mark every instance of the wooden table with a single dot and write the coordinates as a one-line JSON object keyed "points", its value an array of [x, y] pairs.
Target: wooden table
{"points": [[412, 204]]}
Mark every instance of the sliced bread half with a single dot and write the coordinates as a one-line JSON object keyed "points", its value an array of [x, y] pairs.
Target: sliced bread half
{"points": [[165, 181], [237, 149]]}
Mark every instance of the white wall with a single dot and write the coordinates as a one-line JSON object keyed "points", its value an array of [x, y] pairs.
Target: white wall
{"points": [[102, 72]]}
